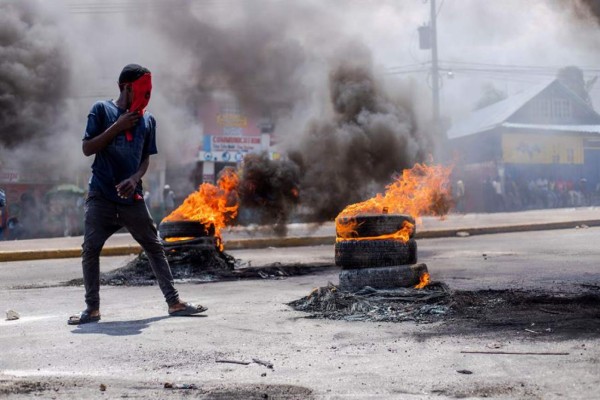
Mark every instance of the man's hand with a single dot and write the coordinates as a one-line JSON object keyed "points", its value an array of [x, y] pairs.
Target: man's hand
{"points": [[126, 188], [126, 121]]}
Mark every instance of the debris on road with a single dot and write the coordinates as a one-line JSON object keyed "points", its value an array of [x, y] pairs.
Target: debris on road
{"points": [[524, 353], [263, 363], [462, 312], [532, 331], [267, 364], [368, 304], [181, 386], [464, 371], [12, 315], [233, 362], [102, 387]]}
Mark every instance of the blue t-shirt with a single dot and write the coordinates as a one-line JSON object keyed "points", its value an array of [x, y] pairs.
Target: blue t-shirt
{"points": [[121, 158]]}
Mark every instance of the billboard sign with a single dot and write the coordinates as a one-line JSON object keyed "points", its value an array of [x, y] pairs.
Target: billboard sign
{"points": [[233, 144]]}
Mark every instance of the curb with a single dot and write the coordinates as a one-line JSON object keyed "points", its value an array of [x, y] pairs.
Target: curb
{"points": [[261, 243]]}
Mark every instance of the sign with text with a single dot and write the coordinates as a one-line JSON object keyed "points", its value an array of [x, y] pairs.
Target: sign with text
{"points": [[216, 144], [9, 177]]}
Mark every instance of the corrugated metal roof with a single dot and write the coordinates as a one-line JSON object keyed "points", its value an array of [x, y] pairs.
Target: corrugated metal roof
{"points": [[568, 128], [489, 117]]}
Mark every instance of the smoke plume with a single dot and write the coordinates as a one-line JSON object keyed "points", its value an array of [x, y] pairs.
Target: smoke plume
{"points": [[315, 70], [34, 80], [587, 9], [256, 58], [269, 190], [345, 148], [346, 158]]}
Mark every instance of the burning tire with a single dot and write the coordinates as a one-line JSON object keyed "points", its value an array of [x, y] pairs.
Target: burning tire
{"points": [[181, 229], [358, 254], [382, 278], [373, 225]]}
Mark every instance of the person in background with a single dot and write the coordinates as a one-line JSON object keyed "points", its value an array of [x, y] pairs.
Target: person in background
{"points": [[460, 196], [168, 200], [122, 136], [2, 212]]}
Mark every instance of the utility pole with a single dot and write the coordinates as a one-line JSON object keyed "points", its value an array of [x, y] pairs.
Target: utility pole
{"points": [[435, 72]]}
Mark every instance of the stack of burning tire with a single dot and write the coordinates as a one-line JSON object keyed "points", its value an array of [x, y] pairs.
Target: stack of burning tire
{"points": [[181, 235], [377, 250]]}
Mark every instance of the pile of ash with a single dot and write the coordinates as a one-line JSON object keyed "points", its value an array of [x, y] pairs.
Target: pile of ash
{"points": [[199, 264], [369, 304], [534, 313]]}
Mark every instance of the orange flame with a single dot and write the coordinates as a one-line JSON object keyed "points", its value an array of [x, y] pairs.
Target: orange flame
{"points": [[345, 227], [211, 205], [423, 189], [178, 239], [424, 280], [346, 230]]}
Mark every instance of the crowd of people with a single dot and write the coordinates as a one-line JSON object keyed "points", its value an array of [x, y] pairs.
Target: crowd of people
{"points": [[519, 194], [36, 215]]}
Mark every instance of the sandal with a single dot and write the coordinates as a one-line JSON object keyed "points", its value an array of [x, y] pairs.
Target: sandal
{"points": [[190, 309], [84, 317]]}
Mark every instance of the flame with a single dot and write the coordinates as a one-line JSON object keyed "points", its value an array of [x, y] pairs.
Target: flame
{"points": [[346, 230], [421, 190], [211, 205], [424, 280], [345, 227], [178, 239]]}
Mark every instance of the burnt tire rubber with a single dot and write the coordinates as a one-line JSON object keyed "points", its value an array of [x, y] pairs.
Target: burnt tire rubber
{"points": [[373, 225], [357, 254], [412, 251], [382, 278], [176, 229]]}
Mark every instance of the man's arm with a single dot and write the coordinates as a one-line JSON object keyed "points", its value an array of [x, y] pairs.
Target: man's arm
{"points": [[126, 188], [126, 121]]}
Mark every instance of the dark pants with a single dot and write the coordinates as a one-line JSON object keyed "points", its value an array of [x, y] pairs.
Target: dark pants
{"points": [[103, 218]]}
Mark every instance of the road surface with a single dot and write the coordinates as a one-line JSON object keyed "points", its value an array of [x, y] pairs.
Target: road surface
{"points": [[136, 348]]}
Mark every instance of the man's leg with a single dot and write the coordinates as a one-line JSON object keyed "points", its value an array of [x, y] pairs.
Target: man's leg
{"points": [[100, 224], [136, 218]]}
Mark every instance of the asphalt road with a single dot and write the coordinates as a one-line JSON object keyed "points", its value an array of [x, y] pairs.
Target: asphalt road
{"points": [[136, 348]]}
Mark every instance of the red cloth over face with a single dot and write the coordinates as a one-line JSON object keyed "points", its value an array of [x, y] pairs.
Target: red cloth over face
{"points": [[142, 89]]}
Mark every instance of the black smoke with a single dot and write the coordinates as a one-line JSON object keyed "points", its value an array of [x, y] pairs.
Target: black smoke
{"points": [[268, 191], [351, 156], [587, 9], [34, 74], [349, 147], [255, 58]]}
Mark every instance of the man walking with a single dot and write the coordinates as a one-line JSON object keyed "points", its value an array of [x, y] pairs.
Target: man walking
{"points": [[121, 135]]}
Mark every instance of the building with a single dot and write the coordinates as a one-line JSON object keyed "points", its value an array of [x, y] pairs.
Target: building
{"points": [[229, 133], [546, 135]]}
